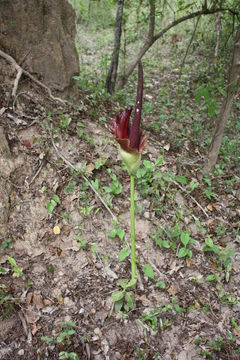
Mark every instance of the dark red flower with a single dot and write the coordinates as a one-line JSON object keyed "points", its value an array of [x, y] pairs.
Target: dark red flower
{"points": [[129, 135]]}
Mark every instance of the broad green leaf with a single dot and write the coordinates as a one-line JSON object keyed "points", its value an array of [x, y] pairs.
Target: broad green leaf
{"points": [[159, 161], [185, 238], [12, 261], [131, 283], [181, 179], [148, 271], [209, 242], [123, 283], [56, 198], [117, 295], [124, 253], [129, 300], [147, 164], [70, 188], [212, 277], [50, 205], [166, 244], [182, 252], [118, 305]]}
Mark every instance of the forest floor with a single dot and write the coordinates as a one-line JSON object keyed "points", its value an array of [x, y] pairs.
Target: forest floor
{"points": [[64, 256]]}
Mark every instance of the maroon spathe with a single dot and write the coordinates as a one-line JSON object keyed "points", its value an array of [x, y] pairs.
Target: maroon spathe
{"points": [[130, 136]]}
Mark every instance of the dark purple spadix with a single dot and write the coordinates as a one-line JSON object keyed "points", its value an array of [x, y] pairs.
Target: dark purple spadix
{"points": [[135, 132]]}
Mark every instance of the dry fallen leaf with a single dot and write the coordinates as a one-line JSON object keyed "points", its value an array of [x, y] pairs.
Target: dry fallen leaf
{"points": [[37, 300], [89, 169], [210, 207], [60, 299], [172, 290], [47, 302], [35, 329], [56, 230], [29, 298], [75, 246], [31, 316]]}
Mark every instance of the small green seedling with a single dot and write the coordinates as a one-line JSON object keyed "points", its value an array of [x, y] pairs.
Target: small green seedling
{"points": [[224, 255], [52, 203], [117, 232], [122, 299], [64, 355], [151, 319], [64, 337], [115, 188], [16, 270], [186, 240]]}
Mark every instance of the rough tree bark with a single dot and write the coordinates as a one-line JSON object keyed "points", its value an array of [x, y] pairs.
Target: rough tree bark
{"points": [[40, 36], [112, 74], [232, 87], [151, 39]]}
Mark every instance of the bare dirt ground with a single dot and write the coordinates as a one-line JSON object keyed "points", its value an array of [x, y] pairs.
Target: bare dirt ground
{"points": [[58, 234]]}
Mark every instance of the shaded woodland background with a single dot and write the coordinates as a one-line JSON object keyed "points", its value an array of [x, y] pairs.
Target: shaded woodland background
{"points": [[66, 70]]}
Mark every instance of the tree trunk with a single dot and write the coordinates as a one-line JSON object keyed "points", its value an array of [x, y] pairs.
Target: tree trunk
{"points": [[40, 36], [219, 26], [226, 108], [122, 81], [112, 74]]}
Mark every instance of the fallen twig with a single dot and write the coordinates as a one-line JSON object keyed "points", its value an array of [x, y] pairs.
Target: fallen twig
{"points": [[37, 173], [191, 197], [21, 71], [67, 162]]}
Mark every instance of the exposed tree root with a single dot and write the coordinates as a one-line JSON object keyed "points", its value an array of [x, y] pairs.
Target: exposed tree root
{"points": [[21, 71]]}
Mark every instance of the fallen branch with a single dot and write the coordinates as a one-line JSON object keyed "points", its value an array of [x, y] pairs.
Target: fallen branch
{"points": [[191, 197], [67, 162], [21, 71]]}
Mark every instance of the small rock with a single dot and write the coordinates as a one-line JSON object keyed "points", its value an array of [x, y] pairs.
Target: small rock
{"points": [[21, 352], [147, 215]]}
